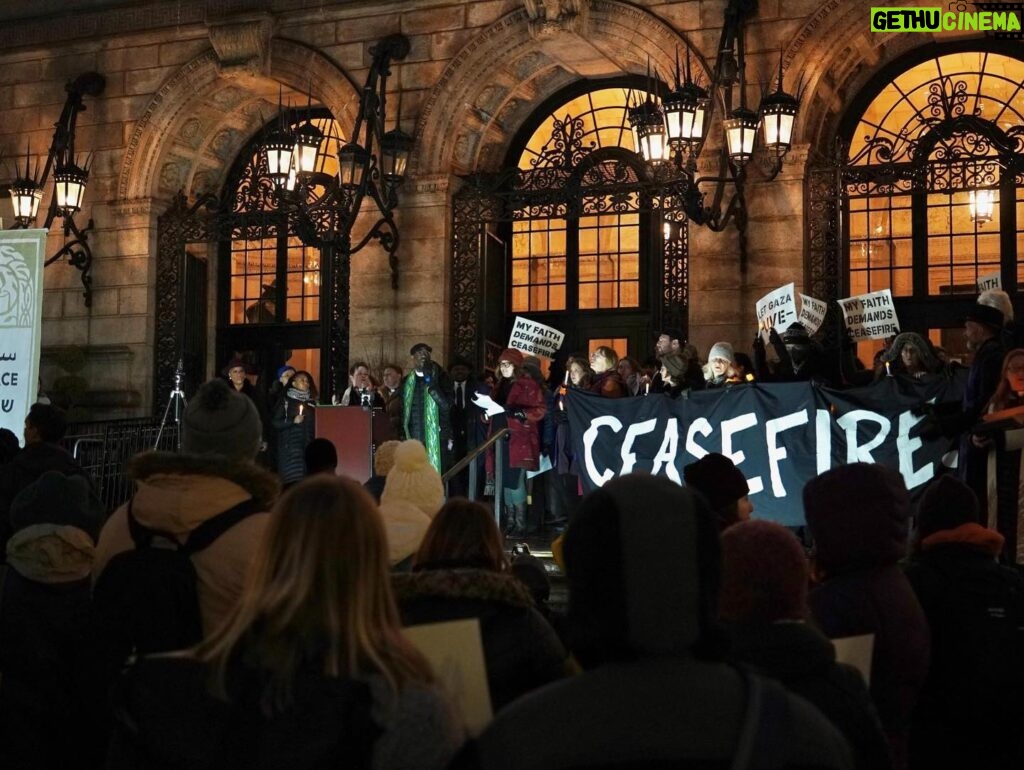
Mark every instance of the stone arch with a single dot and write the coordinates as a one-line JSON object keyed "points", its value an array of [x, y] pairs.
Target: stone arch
{"points": [[490, 88], [835, 54], [199, 120]]}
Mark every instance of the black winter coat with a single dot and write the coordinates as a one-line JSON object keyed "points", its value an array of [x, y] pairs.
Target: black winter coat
{"points": [[166, 718], [804, 661], [293, 438], [521, 649], [968, 712]]}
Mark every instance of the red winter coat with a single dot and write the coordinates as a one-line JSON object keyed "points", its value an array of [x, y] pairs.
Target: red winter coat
{"points": [[524, 438]]}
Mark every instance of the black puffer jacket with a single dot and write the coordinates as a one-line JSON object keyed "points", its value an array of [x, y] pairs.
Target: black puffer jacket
{"points": [[521, 650], [798, 656], [292, 437]]}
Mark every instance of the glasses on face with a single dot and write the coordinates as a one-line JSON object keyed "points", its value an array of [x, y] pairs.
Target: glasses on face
{"points": [[506, 365], [1016, 368]]}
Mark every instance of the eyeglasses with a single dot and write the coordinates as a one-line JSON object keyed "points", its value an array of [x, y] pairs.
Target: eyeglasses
{"points": [[1016, 368], [504, 364]]}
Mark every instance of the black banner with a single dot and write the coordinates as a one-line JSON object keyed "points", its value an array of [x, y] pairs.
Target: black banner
{"points": [[779, 435]]}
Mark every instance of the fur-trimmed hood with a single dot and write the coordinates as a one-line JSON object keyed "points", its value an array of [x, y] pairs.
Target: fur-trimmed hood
{"points": [[478, 584], [176, 492]]}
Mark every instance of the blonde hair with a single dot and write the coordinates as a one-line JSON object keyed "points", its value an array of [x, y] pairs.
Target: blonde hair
{"points": [[318, 591]]}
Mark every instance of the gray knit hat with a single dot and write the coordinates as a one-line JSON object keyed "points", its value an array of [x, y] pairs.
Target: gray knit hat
{"points": [[722, 350], [219, 421]]}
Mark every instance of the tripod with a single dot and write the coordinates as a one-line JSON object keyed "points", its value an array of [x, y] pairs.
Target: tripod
{"points": [[177, 399]]}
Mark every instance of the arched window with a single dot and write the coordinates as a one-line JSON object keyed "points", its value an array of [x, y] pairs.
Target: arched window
{"points": [[934, 184], [574, 232], [268, 276], [586, 262]]}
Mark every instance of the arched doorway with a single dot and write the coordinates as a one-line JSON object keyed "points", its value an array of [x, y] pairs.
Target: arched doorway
{"points": [[573, 234], [928, 140]]}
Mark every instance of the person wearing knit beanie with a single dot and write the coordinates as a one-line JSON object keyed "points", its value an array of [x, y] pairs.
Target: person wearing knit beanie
{"points": [[946, 504], [220, 422], [383, 462], [764, 574], [763, 601], [513, 356], [721, 361], [413, 479], [717, 478]]}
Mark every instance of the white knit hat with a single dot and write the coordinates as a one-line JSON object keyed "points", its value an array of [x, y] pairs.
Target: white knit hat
{"points": [[722, 350], [414, 479]]}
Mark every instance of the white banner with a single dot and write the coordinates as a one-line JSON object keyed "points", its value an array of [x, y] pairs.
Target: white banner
{"points": [[777, 309], [870, 316], [812, 313], [535, 339], [22, 254], [990, 281]]}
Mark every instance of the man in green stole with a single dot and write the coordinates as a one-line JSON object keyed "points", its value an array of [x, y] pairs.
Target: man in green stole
{"points": [[426, 406]]}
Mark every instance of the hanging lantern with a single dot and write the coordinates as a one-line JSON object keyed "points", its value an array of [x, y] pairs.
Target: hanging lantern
{"points": [[648, 126], [740, 129], [306, 150], [25, 197], [279, 148], [353, 160], [69, 187], [395, 148], [982, 206]]}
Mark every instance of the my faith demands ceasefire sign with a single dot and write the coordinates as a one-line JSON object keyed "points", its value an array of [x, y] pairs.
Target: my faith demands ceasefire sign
{"points": [[870, 316], [534, 338]]}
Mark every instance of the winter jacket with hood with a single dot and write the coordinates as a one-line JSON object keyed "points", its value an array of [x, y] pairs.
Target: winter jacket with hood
{"points": [[968, 712], [859, 516], [642, 558], [521, 650], [176, 493]]}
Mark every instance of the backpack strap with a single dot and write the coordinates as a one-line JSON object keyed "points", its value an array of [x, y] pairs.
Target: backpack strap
{"points": [[142, 535], [200, 537], [204, 535], [751, 721]]}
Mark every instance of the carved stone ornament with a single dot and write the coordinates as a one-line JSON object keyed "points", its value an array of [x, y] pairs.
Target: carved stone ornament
{"points": [[243, 46], [548, 18]]}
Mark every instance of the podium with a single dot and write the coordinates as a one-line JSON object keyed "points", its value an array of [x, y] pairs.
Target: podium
{"points": [[356, 432]]}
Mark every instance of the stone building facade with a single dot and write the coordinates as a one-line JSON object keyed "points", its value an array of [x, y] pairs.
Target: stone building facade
{"points": [[190, 82]]}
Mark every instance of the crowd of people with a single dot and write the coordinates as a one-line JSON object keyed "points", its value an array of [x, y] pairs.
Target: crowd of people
{"points": [[228, 616]]}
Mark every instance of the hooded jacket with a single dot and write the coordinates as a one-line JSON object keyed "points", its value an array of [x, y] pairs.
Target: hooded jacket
{"points": [[859, 517], [642, 561], [521, 650], [176, 493]]}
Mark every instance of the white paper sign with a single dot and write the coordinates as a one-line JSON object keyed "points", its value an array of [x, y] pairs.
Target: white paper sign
{"points": [[777, 309], [456, 654], [21, 306], [812, 313], [870, 316], [990, 281], [856, 651], [534, 338], [488, 404]]}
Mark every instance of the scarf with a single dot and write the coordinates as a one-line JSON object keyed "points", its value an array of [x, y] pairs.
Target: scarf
{"points": [[299, 395], [431, 420]]}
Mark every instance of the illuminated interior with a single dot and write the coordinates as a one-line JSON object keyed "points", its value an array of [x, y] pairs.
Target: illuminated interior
{"points": [[605, 249], [254, 263]]}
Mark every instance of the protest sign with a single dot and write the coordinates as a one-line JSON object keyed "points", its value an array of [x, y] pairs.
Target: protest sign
{"points": [[455, 652], [990, 281], [812, 313], [777, 309], [21, 301], [779, 435], [870, 316], [534, 338]]}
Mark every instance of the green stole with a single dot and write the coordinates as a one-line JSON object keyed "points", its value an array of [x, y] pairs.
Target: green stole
{"points": [[431, 420]]}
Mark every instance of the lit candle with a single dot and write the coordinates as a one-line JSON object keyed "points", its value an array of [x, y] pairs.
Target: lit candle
{"points": [[300, 409], [887, 372], [647, 388]]}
